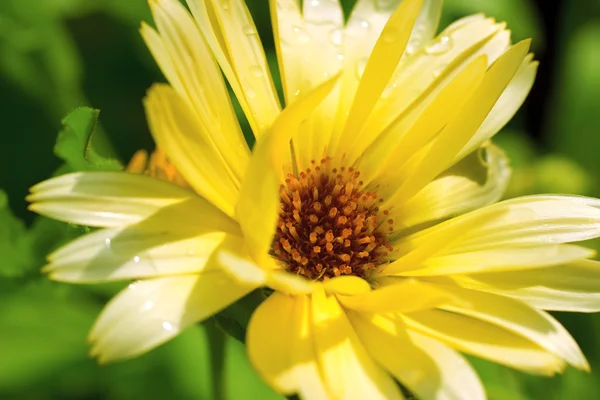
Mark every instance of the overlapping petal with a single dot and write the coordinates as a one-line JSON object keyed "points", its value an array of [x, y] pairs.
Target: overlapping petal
{"points": [[150, 312]]}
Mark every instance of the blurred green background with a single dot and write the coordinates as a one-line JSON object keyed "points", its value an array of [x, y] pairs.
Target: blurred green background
{"points": [[56, 55]]}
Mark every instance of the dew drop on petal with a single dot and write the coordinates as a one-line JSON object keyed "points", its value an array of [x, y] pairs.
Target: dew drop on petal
{"points": [[335, 37], [136, 259], [256, 71], [249, 30], [439, 46], [314, 3], [301, 35], [167, 326], [390, 34], [148, 305]]}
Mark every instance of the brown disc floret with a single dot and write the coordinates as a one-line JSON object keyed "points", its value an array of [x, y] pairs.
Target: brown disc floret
{"points": [[328, 225]]}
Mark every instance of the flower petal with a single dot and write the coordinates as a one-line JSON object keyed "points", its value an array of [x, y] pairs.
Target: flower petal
{"points": [[119, 199], [286, 360], [187, 62], [501, 258], [419, 80], [517, 224], [485, 340], [516, 316], [389, 145], [478, 180], [232, 36], [403, 295], [177, 130], [149, 312], [506, 107], [132, 253], [571, 287], [258, 207], [384, 58], [309, 49], [348, 370], [428, 368], [460, 129]]}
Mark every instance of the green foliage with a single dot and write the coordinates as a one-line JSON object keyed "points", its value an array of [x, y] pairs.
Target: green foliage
{"points": [[15, 245], [74, 143]]}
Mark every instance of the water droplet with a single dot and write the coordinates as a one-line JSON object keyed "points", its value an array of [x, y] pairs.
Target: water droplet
{"points": [[250, 93], [167, 326], [249, 30], [360, 67], [225, 4], [136, 259], [256, 71], [439, 46], [301, 34], [340, 57], [437, 71], [314, 3], [390, 34], [191, 252], [389, 90], [297, 93], [107, 242], [412, 46], [336, 36], [364, 24], [132, 286], [148, 305]]}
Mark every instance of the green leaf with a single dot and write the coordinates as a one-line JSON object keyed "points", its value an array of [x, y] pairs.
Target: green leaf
{"points": [[16, 256], [240, 380], [501, 383], [189, 364], [42, 329], [574, 118], [74, 142]]}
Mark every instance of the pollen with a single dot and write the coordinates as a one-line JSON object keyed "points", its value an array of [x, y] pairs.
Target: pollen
{"points": [[329, 225]]}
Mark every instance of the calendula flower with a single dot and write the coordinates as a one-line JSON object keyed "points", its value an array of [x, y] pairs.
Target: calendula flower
{"points": [[366, 205]]}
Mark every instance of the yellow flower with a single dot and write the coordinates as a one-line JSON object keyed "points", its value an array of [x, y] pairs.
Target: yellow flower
{"points": [[366, 204]]}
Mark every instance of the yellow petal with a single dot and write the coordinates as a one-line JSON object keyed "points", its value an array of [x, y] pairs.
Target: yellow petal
{"points": [[460, 130], [186, 141], [381, 64], [425, 366], [521, 319], [187, 62], [507, 105], [476, 181], [485, 340], [232, 36], [348, 370], [525, 222], [404, 295], [119, 199], [389, 145], [286, 360], [501, 259], [150, 312], [346, 285], [419, 80], [130, 253], [570, 287], [258, 207]]}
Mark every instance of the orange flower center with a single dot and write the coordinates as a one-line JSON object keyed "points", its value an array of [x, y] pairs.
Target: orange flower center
{"points": [[328, 225]]}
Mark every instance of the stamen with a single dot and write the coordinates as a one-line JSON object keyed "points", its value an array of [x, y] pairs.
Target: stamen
{"points": [[328, 226]]}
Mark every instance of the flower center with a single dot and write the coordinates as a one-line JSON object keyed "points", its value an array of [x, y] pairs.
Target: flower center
{"points": [[328, 225]]}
